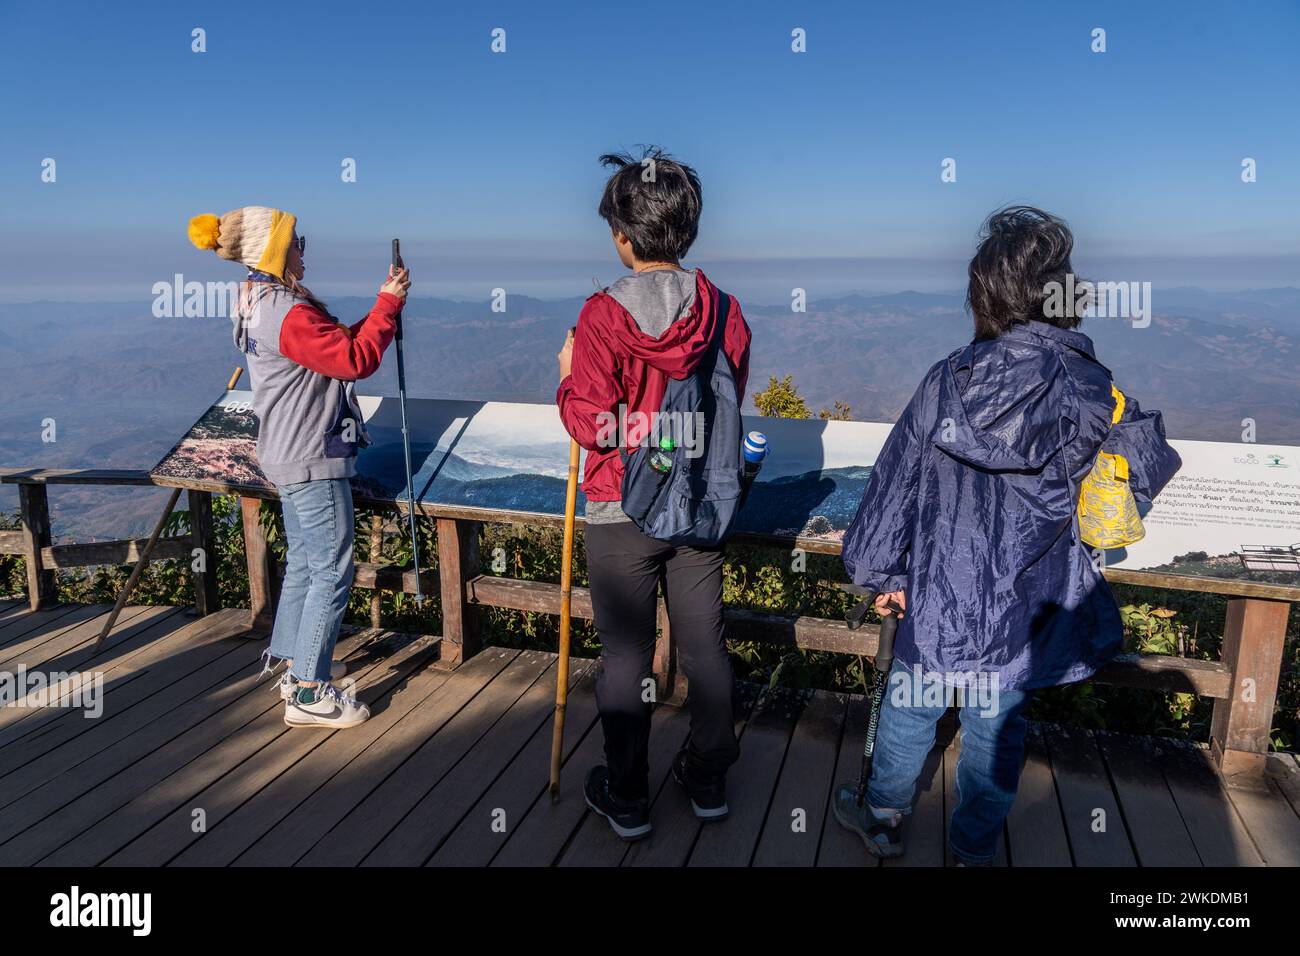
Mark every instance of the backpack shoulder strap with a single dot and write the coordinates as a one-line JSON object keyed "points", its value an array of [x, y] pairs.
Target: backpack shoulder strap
{"points": [[724, 312]]}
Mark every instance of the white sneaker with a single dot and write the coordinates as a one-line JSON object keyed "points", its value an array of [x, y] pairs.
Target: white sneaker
{"points": [[288, 685], [332, 709]]}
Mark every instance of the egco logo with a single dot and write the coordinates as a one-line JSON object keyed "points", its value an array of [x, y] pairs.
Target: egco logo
{"points": [[1250, 459]]}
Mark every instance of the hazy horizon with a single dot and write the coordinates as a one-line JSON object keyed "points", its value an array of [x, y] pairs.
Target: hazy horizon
{"points": [[758, 281]]}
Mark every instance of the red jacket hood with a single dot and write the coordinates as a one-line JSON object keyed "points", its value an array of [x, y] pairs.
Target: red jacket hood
{"points": [[682, 346], [619, 363]]}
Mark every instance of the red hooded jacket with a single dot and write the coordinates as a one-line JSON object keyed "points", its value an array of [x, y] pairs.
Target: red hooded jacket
{"points": [[616, 364]]}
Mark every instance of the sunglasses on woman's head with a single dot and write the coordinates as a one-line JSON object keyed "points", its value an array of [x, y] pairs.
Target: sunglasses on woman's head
{"points": [[301, 243]]}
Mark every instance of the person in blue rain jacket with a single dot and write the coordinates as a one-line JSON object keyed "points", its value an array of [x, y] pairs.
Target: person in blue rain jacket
{"points": [[968, 523]]}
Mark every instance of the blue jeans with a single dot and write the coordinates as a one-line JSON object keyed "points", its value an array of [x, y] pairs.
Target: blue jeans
{"points": [[317, 577], [988, 769]]}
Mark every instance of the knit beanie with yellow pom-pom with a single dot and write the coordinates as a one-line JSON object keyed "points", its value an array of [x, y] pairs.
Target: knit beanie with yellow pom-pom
{"points": [[257, 236]]}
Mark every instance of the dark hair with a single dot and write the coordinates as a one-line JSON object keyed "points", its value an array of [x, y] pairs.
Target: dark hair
{"points": [[654, 201], [1021, 250]]}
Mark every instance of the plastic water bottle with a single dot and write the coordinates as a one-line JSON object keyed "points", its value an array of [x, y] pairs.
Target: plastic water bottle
{"points": [[755, 448], [661, 459]]}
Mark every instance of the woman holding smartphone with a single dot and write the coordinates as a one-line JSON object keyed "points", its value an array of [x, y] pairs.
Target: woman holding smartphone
{"points": [[302, 363]]}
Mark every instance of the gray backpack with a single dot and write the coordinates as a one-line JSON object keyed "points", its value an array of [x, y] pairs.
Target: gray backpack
{"points": [[696, 501]]}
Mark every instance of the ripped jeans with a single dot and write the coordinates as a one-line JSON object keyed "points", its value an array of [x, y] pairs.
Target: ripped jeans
{"points": [[318, 530]]}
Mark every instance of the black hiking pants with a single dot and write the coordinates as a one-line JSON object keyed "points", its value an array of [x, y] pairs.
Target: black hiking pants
{"points": [[625, 569]]}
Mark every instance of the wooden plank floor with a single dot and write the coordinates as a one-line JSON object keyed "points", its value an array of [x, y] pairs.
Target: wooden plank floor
{"points": [[191, 764]]}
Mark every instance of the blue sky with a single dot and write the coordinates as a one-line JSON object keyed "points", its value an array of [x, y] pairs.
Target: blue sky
{"points": [[485, 163]]}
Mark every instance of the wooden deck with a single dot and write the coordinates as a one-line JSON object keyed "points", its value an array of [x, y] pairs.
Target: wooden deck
{"points": [[191, 764]]}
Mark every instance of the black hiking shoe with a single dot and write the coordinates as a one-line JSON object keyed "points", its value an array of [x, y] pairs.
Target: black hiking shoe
{"points": [[708, 797], [881, 838], [630, 819]]}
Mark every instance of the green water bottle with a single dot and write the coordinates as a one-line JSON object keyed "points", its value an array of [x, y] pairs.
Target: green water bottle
{"points": [[661, 459]]}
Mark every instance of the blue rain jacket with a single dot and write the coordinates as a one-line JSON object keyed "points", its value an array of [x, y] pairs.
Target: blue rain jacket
{"points": [[970, 509]]}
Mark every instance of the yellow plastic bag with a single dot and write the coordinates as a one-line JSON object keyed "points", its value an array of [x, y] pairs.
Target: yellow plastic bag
{"points": [[1108, 512]]}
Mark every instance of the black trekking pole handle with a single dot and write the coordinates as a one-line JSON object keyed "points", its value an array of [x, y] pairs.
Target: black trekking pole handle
{"points": [[884, 660]]}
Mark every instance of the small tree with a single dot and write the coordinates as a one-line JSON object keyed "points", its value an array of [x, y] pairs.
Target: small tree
{"points": [[781, 399]]}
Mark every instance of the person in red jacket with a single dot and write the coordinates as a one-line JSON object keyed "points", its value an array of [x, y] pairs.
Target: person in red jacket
{"points": [[655, 324], [302, 364]]}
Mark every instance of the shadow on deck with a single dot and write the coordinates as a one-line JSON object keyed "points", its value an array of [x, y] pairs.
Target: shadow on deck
{"points": [[190, 763]]}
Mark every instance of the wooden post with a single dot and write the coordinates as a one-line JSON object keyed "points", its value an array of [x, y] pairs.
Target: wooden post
{"points": [[261, 601], [376, 557], [206, 597], [458, 561], [42, 587], [1253, 639]]}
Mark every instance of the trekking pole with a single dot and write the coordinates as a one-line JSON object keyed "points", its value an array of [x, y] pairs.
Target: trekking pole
{"points": [[406, 441], [566, 616], [884, 660]]}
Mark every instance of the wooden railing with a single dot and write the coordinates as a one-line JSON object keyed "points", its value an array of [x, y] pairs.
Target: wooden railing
{"points": [[1243, 684]]}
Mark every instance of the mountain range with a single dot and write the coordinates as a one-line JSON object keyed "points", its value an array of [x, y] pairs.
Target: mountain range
{"points": [[120, 386]]}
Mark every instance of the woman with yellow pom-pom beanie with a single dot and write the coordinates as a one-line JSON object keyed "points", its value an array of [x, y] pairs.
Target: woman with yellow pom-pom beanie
{"points": [[301, 364]]}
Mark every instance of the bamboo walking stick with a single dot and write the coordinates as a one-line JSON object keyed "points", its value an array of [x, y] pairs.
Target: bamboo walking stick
{"points": [[566, 595]]}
